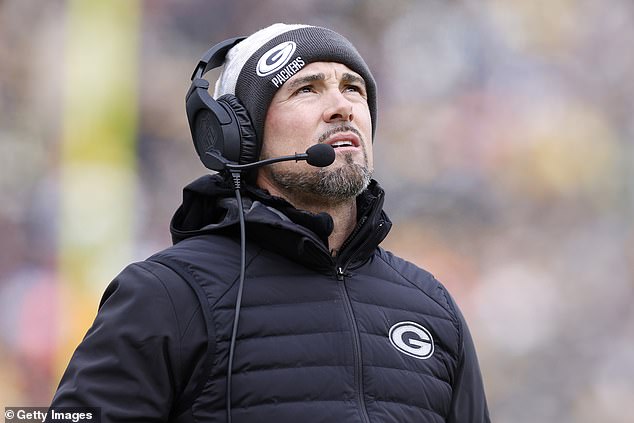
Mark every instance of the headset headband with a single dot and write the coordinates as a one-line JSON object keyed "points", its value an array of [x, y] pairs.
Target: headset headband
{"points": [[215, 57]]}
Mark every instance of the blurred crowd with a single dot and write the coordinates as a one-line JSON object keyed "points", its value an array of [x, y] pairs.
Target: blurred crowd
{"points": [[505, 144]]}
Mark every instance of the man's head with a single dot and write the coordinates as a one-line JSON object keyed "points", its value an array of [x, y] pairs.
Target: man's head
{"points": [[303, 85]]}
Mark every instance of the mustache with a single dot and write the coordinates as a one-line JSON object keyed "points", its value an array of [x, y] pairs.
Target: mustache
{"points": [[343, 128]]}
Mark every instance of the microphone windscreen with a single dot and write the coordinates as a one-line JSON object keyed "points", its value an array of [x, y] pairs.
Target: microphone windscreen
{"points": [[320, 155]]}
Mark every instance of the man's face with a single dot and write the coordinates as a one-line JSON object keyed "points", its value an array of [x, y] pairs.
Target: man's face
{"points": [[325, 102]]}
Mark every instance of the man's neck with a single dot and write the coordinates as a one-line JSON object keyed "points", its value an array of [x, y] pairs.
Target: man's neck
{"points": [[344, 218], [344, 214]]}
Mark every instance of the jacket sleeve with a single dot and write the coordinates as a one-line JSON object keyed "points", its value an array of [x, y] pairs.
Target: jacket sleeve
{"points": [[147, 340], [469, 402]]}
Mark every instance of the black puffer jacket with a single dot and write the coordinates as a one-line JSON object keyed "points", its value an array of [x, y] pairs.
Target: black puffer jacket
{"points": [[364, 337]]}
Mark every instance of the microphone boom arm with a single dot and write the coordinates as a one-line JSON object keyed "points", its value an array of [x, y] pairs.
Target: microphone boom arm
{"points": [[296, 157], [319, 155]]}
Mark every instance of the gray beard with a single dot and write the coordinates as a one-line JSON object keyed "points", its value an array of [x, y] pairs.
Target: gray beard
{"points": [[327, 186]]}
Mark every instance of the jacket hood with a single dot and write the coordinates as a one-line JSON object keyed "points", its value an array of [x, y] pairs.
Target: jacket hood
{"points": [[209, 207]]}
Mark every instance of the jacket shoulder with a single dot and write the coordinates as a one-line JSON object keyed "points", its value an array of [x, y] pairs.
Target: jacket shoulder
{"points": [[210, 263], [423, 281], [144, 339]]}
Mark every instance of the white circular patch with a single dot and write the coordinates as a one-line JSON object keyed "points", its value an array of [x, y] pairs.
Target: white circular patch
{"points": [[412, 339], [274, 59]]}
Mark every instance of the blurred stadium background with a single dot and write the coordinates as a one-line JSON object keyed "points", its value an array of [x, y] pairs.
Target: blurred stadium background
{"points": [[505, 143]]}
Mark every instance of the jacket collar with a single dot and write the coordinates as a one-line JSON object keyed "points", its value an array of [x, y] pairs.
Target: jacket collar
{"points": [[209, 207]]}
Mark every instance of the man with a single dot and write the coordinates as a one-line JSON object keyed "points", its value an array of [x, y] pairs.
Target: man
{"points": [[332, 328]]}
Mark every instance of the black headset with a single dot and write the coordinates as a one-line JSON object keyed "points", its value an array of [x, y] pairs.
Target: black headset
{"points": [[223, 135], [221, 129]]}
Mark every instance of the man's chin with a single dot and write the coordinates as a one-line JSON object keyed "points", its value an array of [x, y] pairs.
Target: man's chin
{"points": [[328, 184]]}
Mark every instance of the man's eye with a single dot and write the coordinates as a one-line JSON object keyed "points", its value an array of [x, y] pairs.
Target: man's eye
{"points": [[304, 89], [354, 89]]}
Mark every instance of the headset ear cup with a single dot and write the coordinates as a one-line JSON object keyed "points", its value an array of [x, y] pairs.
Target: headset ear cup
{"points": [[206, 133], [249, 145]]}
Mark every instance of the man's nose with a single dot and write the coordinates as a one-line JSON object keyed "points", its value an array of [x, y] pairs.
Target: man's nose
{"points": [[339, 108]]}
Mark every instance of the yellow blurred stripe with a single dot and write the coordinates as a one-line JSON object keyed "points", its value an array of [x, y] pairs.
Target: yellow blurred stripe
{"points": [[98, 156]]}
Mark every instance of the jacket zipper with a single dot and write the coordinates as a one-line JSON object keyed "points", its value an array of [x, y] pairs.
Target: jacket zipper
{"points": [[356, 338], [356, 341], [341, 270]]}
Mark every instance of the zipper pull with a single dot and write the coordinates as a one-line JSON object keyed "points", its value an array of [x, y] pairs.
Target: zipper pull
{"points": [[340, 274]]}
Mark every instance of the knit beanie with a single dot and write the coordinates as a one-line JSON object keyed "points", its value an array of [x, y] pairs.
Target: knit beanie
{"points": [[257, 67]]}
